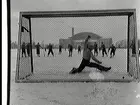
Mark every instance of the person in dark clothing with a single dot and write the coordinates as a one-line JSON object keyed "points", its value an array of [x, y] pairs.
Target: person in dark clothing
{"points": [[133, 47], [87, 55], [45, 49], [71, 50], [23, 49], [60, 49], [38, 49], [79, 49], [50, 48], [113, 50], [28, 49], [70, 47], [103, 49], [95, 49]]}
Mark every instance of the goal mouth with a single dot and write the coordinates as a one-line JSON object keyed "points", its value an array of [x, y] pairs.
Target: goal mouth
{"points": [[102, 25]]}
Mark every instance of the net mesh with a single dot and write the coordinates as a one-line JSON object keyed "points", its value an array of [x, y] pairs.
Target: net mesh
{"points": [[25, 50], [112, 29], [132, 48]]}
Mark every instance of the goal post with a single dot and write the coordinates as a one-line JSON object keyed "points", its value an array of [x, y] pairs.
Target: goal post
{"points": [[133, 59], [24, 66]]}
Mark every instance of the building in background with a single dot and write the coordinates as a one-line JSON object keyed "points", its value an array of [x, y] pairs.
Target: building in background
{"points": [[79, 38], [121, 44]]}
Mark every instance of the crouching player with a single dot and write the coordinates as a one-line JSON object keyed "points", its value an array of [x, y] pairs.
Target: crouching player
{"points": [[87, 55]]}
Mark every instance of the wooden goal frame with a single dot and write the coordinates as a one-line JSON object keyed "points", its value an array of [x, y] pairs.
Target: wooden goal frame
{"points": [[131, 34]]}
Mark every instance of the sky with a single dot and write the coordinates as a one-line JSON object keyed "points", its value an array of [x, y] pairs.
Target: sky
{"points": [[61, 27], [50, 30]]}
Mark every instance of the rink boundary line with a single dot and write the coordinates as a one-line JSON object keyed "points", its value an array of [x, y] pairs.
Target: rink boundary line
{"points": [[74, 80]]}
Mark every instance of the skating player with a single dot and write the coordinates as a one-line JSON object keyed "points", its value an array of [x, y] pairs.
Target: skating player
{"points": [[38, 49], [95, 49], [28, 49], [50, 47], [23, 49], [60, 49], [103, 49], [70, 47], [79, 49], [113, 50]]}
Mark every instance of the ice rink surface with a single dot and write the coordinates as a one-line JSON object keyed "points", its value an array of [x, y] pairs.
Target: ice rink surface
{"points": [[75, 93], [64, 63], [57, 68]]}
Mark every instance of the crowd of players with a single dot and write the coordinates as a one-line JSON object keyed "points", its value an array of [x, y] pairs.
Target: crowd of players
{"points": [[89, 52], [26, 49]]}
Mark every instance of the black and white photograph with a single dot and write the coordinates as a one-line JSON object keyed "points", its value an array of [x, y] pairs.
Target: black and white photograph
{"points": [[74, 52]]}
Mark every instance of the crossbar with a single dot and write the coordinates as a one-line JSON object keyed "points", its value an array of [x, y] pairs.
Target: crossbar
{"points": [[77, 13]]}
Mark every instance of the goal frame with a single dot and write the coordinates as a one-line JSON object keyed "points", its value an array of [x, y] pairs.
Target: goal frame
{"points": [[80, 13]]}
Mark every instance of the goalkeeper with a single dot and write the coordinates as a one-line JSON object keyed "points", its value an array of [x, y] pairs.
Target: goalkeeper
{"points": [[87, 55]]}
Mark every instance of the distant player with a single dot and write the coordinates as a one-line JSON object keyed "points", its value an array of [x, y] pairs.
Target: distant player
{"points": [[95, 49], [70, 47], [38, 49], [113, 50], [28, 49], [50, 48], [133, 48], [60, 49], [87, 55], [103, 49], [23, 49], [79, 49]]}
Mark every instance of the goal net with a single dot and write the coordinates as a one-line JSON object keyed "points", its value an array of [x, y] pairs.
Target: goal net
{"points": [[45, 41], [133, 48]]}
